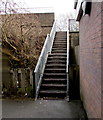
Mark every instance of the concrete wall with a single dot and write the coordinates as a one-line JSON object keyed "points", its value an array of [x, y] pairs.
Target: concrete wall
{"points": [[76, 50], [43, 20], [90, 60], [74, 43], [74, 38], [46, 21], [74, 91]]}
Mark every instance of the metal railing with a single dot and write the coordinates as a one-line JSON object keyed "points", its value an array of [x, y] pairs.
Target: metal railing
{"points": [[67, 61], [39, 70]]}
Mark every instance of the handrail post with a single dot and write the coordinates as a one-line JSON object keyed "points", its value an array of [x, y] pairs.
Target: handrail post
{"points": [[67, 61]]}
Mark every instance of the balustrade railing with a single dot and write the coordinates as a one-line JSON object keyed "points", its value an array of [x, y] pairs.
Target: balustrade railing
{"points": [[39, 70]]}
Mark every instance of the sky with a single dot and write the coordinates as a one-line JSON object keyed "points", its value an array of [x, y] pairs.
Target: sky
{"points": [[59, 6]]}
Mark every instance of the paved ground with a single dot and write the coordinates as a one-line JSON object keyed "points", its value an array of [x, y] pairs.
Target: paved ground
{"points": [[42, 109]]}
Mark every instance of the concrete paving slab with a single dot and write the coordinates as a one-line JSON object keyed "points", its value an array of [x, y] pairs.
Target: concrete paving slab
{"points": [[42, 109]]}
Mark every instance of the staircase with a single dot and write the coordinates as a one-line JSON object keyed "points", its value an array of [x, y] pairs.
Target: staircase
{"points": [[54, 81]]}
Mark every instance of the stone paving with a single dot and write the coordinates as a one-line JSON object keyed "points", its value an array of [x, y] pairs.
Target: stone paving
{"points": [[42, 109]]}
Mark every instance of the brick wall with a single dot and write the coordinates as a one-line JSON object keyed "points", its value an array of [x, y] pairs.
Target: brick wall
{"points": [[90, 60], [102, 55]]}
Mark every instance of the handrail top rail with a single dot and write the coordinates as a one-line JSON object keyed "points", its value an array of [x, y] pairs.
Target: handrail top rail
{"points": [[67, 48], [52, 28], [41, 54], [36, 68]]}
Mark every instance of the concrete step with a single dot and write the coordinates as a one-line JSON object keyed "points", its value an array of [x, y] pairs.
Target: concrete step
{"points": [[51, 98], [60, 38], [54, 80], [56, 61], [61, 33], [57, 58], [53, 87], [59, 49], [54, 75], [52, 93], [58, 54], [55, 70], [59, 44], [60, 41], [62, 45], [56, 49], [55, 65]]}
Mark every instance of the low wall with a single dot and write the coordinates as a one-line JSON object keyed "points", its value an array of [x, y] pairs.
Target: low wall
{"points": [[18, 82]]}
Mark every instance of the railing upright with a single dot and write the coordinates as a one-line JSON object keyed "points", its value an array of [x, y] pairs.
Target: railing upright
{"points": [[67, 61]]}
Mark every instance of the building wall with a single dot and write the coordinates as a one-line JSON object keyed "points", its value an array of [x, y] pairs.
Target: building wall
{"points": [[102, 56], [43, 20], [90, 60], [46, 21]]}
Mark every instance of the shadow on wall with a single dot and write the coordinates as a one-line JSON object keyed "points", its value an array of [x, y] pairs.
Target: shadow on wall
{"points": [[74, 88]]}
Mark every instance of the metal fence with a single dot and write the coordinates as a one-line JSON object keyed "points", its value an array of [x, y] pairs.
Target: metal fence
{"points": [[39, 70]]}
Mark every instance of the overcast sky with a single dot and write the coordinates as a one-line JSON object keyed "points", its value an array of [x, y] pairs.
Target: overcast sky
{"points": [[59, 6]]}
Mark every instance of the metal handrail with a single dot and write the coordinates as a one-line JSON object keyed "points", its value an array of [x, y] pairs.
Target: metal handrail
{"points": [[67, 61], [39, 70], [52, 34]]}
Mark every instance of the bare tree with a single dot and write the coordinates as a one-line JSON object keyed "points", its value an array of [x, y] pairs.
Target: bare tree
{"points": [[22, 32]]}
